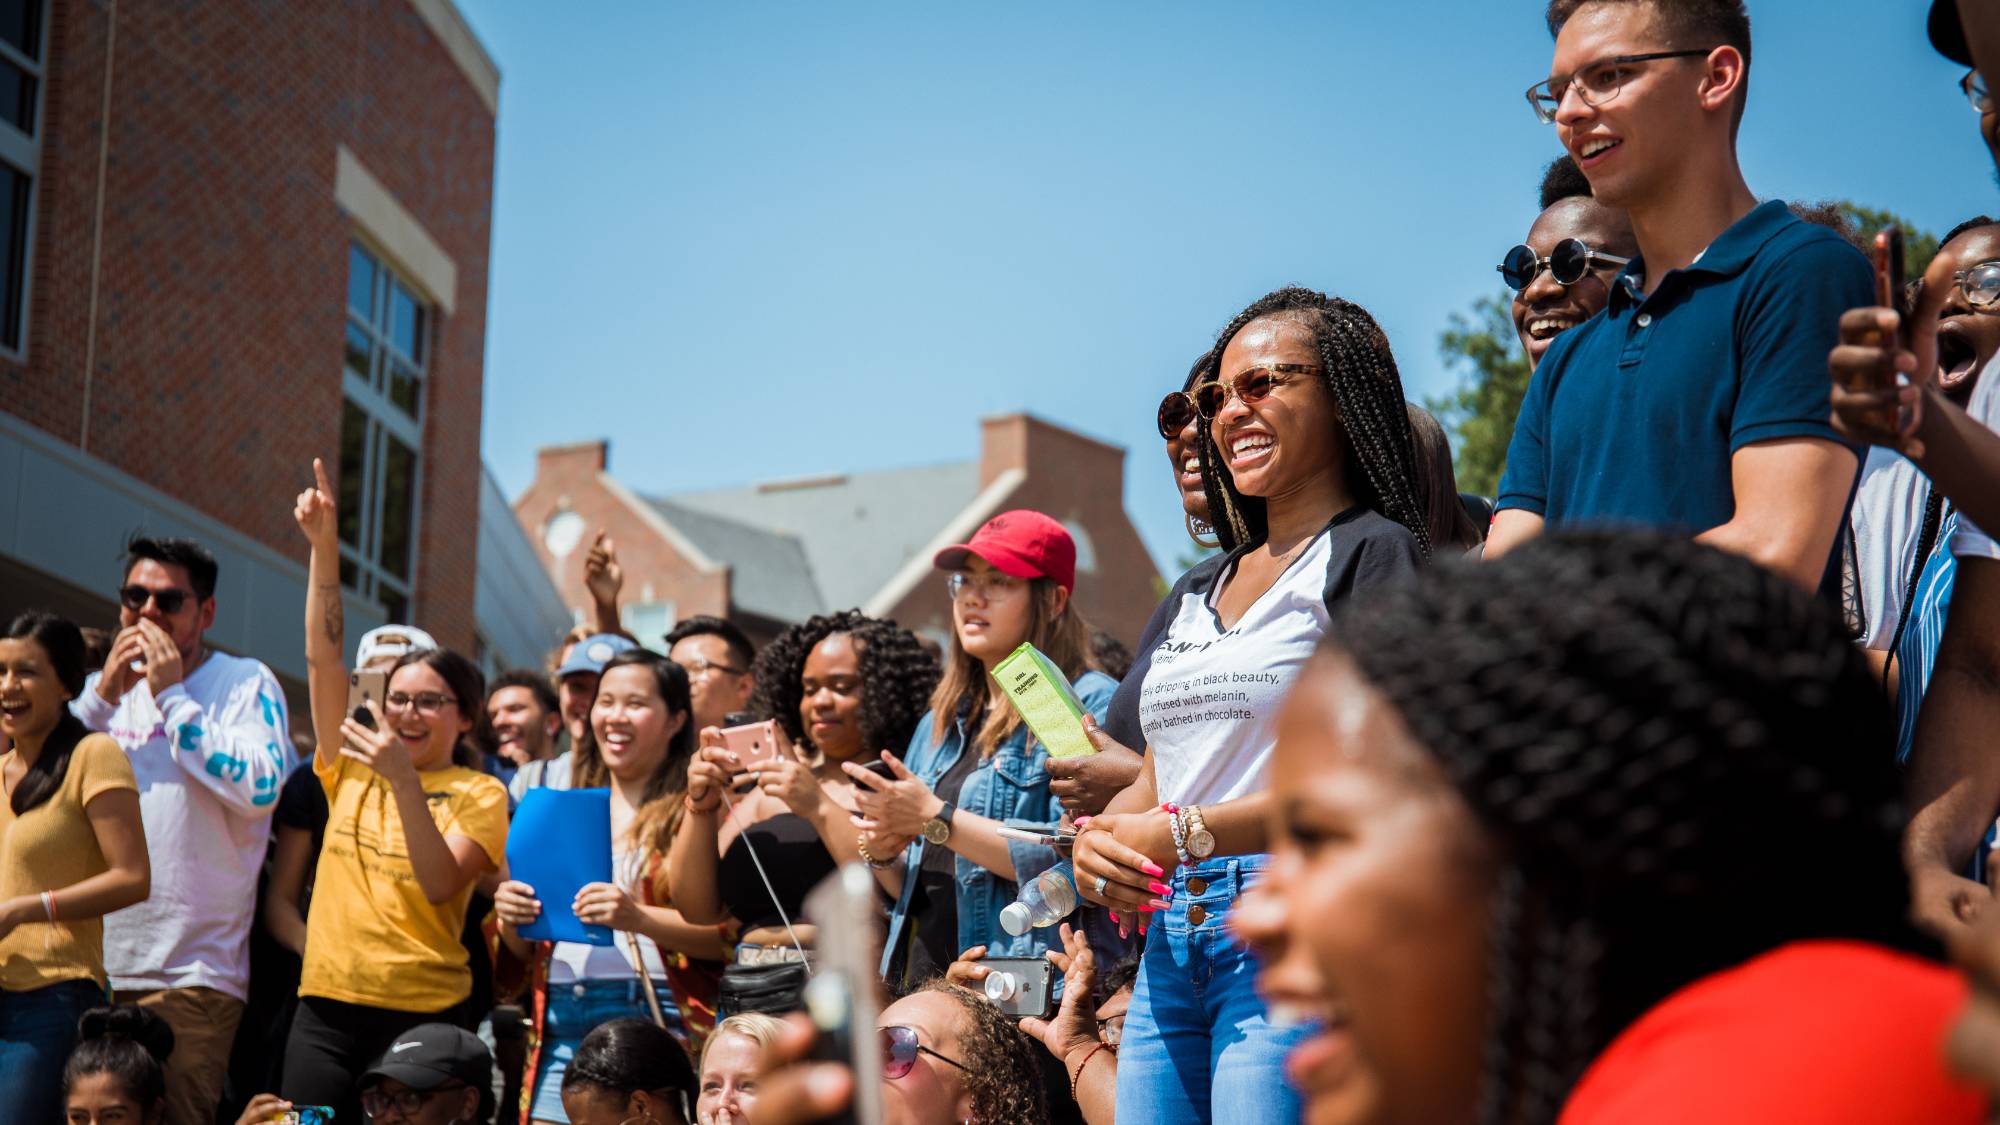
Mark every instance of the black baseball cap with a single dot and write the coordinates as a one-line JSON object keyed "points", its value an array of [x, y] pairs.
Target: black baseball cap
{"points": [[1947, 34], [429, 1055]]}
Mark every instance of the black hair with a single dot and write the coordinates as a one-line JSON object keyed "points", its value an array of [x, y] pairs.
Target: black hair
{"points": [[1827, 213], [1649, 730], [897, 676], [1450, 523], [466, 682], [62, 642], [170, 550], [1109, 655], [1121, 975], [1688, 25], [1367, 390], [129, 1043], [1561, 180], [1974, 223], [535, 682], [741, 651], [627, 1055]]}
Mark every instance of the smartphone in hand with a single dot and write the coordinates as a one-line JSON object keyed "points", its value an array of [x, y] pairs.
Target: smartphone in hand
{"points": [[1891, 284], [366, 687], [754, 744], [1021, 986]]}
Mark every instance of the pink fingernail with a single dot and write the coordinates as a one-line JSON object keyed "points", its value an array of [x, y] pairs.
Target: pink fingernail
{"points": [[1114, 917], [1081, 821], [1146, 908], [1153, 869], [1160, 889], [1159, 904]]}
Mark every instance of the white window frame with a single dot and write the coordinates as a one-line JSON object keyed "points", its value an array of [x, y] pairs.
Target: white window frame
{"points": [[370, 394], [23, 153]]}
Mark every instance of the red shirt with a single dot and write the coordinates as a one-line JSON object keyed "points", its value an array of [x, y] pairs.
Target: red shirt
{"points": [[1828, 1032]]}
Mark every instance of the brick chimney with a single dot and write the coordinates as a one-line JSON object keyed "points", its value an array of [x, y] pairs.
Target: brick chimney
{"points": [[579, 460], [1018, 441]]}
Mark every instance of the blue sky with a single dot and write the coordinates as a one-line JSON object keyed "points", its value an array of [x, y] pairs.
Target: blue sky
{"points": [[750, 241]]}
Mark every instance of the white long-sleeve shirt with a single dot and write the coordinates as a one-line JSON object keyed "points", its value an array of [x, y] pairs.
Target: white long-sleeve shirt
{"points": [[210, 755]]}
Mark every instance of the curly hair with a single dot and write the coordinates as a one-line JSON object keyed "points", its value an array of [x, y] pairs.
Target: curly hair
{"points": [[1003, 1074], [1679, 758], [1361, 372], [897, 675]]}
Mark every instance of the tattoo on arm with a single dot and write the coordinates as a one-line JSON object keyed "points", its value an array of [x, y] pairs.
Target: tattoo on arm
{"points": [[335, 623]]}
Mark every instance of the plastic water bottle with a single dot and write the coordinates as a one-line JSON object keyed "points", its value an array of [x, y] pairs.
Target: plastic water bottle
{"points": [[1049, 899]]}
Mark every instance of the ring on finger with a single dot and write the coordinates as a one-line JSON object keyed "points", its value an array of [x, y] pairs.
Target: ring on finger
{"points": [[1099, 885]]}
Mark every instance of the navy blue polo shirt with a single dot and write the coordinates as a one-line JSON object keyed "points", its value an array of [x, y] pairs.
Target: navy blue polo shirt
{"points": [[1632, 416]]}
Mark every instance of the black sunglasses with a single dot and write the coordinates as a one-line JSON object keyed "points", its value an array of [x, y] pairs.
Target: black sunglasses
{"points": [[169, 600], [1567, 263], [1176, 411], [900, 1050]]}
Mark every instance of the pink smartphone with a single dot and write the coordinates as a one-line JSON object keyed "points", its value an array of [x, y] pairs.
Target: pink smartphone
{"points": [[754, 744]]}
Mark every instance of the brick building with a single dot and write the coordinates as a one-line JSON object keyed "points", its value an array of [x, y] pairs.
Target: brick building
{"points": [[771, 554], [199, 203]]}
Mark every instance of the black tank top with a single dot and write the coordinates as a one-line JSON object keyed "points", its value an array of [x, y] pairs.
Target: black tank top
{"points": [[794, 858]]}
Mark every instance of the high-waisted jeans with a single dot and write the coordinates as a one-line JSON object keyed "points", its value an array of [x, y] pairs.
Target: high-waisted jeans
{"points": [[37, 1030], [576, 1007], [1197, 1046]]}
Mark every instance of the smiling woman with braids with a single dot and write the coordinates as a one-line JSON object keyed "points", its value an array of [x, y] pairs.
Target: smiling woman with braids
{"points": [[1626, 854], [843, 686], [1308, 468]]}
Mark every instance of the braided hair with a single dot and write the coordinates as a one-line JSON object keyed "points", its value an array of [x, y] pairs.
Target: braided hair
{"points": [[1677, 754], [897, 675], [1360, 370]]}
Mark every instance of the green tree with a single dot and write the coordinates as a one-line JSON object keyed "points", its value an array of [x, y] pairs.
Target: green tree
{"points": [[1480, 347], [1483, 350]]}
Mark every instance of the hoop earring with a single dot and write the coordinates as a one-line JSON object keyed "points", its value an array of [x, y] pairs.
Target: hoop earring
{"points": [[1202, 534]]}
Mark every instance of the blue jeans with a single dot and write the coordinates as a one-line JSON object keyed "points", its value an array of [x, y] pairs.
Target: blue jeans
{"points": [[1197, 1047], [574, 1009], [37, 1032]]}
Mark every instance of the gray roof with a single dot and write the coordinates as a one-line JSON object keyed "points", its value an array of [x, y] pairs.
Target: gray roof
{"points": [[514, 602], [855, 530], [768, 572]]}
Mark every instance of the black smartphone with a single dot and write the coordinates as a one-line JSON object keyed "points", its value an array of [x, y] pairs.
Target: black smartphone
{"points": [[1892, 290], [1021, 986]]}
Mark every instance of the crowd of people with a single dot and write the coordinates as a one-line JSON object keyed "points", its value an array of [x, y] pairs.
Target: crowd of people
{"points": [[1659, 787]]}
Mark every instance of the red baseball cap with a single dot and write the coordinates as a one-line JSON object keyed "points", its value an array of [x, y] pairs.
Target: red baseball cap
{"points": [[1021, 543]]}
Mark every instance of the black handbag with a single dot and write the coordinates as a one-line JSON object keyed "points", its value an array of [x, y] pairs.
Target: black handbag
{"points": [[772, 989]]}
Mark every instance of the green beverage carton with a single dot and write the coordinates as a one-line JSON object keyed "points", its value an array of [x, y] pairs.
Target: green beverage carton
{"points": [[1041, 693]]}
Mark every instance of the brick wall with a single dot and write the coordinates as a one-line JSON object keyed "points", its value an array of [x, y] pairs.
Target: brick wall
{"points": [[224, 255], [572, 477]]}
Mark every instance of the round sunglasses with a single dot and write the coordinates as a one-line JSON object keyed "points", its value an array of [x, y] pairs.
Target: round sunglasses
{"points": [[1176, 411], [134, 598], [1251, 387], [900, 1050], [1567, 263]]}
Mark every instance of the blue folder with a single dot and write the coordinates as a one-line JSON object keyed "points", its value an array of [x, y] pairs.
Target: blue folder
{"points": [[559, 841]]}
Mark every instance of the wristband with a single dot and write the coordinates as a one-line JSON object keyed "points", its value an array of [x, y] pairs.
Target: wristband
{"points": [[49, 905], [1179, 830], [1078, 1076]]}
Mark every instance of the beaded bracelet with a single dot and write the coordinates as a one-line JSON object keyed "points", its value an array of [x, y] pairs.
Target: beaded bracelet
{"points": [[49, 905], [1078, 1076]]}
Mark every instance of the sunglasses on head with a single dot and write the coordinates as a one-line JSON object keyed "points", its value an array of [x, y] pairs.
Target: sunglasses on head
{"points": [[1567, 263], [900, 1050], [134, 598], [1252, 386]]}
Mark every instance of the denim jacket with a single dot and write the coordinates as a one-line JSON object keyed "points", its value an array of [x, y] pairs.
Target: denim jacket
{"points": [[1012, 787]]}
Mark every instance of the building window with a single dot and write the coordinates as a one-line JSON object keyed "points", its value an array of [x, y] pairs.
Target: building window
{"points": [[381, 431], [21, 74]]}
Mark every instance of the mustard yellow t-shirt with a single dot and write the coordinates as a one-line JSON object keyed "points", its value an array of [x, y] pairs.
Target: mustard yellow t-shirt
{"points": [[50, 847], [371, 936]]}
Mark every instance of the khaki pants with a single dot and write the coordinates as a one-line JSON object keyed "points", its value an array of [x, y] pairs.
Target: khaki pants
{"points": [[204, 1023]]}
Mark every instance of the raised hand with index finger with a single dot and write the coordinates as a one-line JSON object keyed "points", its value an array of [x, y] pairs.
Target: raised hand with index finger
{"points": [[317, 516]]}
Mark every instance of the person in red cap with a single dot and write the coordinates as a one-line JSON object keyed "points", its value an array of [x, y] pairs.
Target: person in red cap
{"points": [[972, 767]]}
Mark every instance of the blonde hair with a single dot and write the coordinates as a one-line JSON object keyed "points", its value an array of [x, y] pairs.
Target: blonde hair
{"points": [[757, 1027], [967, 686]]}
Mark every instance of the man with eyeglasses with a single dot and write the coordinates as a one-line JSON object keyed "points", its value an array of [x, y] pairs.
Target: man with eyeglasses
{"points": [[1561, 276], [1697, 399], [206, 735], [717, 658], [1900, 528]]}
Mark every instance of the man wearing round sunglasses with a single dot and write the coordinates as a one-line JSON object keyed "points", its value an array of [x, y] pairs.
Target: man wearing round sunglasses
{"points": [[206, 735], [1696, 400], [1561, 276]]}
